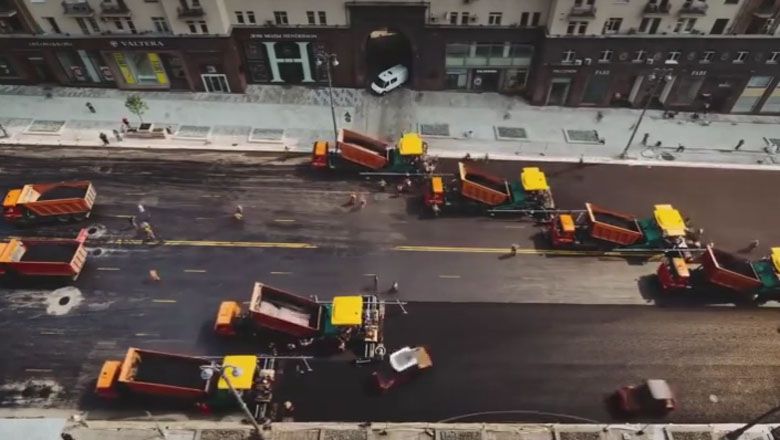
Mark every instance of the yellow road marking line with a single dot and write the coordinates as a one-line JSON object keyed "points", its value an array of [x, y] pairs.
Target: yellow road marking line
{"points": [[163, 300], [38, 370], [195, 270], [449, 276], [284, 220], [280, 273], [108, 268], [530, 251]]}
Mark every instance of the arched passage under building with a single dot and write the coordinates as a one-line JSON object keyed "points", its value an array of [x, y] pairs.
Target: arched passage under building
{"points": [[385, 48]]}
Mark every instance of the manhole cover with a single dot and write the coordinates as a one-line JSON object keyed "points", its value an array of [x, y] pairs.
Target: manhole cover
{"points": [[435, 130], [193, 131], [582, 136], [271, 134], [47, 127], [511, 133]]}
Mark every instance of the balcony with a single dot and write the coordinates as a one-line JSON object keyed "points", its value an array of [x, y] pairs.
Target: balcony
{"points": [[657, 8], [583, 11], [765, 10], [697, 7], [81, 8], [118, 7], [191, 12]]}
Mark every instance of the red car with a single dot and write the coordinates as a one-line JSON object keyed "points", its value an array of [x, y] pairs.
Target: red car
{"points": [[654, 397], [405, 364]]}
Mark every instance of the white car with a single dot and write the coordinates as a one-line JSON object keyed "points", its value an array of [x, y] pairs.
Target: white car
{"points": [[390, 79]]}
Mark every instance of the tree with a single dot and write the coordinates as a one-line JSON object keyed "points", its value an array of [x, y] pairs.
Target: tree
{"points": [[137, 106]]}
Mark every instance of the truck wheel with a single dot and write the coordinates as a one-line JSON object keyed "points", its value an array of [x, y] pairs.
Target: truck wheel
{"points": [[63, 218], [79, 217]]}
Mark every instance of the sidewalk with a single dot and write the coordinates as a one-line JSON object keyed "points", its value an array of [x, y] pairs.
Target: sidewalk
{"points": [[277, 118], [49, 429]]}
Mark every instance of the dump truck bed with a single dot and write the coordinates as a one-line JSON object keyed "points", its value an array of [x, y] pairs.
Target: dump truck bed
{"points": [[481, 186], [729, 271], [163, 374], [285, 312], [362, 150], [53, 257], [55, 199], [615, 227]]}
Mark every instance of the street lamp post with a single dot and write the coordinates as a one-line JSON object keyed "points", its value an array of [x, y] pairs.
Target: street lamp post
{"points": [[659, 80], [735, 434], [207, 372], [329, 59]]}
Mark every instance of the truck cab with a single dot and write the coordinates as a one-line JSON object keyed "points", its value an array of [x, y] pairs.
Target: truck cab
{"points": [[319, 154], [562, 231]]}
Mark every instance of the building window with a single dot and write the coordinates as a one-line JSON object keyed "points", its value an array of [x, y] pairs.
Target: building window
{"points": [[142, 68], [280, 17], [719, 26], [161, 25], [524, 19], [118, 24], [684, 25], [576, 27], [93, 24], [323, 18], [250, 15], [453, 18], [584, 2], [707, 56], [568, 57], [773, 58], [464, 18], [732, 2], [612, 25], [203, 27], [192, 27], [649, 25], [239, 17], [131, 25], [673, 56], [639, 56], [741, 56], [494, 18], [535, 19], [606, 56], [310, 17], [82, 25], [53, 25], [6, 68], [752, 93]]}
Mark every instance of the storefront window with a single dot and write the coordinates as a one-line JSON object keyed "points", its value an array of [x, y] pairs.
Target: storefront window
{"points": [[6, 68], [687, 90], [141, 68], [521, 54], [772, 104], [73, 66], [597, 88], [514, 80], [456, 78], [456, 54], [752, 93]]}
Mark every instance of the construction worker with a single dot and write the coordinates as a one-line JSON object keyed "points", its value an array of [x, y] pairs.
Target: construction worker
{"points": [[154, 275], [352, 199], [394, 287], [513, 250], [146, 228], [382, 184], [238, 214], [436, 210], [362, 201], [408, 184], [753, 244]]}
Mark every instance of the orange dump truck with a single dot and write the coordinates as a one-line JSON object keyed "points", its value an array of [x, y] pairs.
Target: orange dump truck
{"points": [[43, 257], [176, 376], [64, 201]]}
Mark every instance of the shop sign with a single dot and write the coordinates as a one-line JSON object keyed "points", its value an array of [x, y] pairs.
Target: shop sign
{"points": [[283, 36], [157, 67], [699, 73], [136, 44], [50, 44], [106, 72], [601, 72], [121, 62], [564, 70]]}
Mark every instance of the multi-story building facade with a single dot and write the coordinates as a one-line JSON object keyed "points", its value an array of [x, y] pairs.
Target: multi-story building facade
{"points": [[720, 55]]}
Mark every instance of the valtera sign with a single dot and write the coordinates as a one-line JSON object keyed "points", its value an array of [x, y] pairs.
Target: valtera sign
{"points": [[136, 44]]}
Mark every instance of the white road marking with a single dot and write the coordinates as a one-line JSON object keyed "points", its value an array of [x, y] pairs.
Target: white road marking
{"points": [[108, 268], [449, 276], [281, 273], [195, 270]]}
